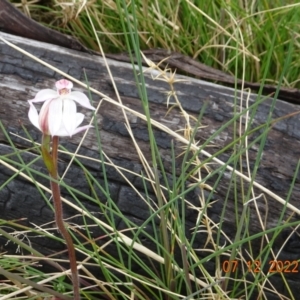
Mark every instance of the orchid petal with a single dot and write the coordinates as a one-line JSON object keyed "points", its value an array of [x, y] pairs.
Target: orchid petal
{"points": [[82, 128], [63, 132], [78, 120], [55, 116], [33, 116], [44, 95], [81, 99], [44, 117], [69, 116]]}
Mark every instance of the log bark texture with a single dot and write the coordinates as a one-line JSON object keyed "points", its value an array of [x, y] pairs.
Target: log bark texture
{"points": [[21, 78]]}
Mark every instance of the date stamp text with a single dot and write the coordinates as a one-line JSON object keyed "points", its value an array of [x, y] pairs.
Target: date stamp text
{"points": [[275, 266]]}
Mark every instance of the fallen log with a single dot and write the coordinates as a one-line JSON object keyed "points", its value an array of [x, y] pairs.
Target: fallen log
{"points": [[21, 77]]}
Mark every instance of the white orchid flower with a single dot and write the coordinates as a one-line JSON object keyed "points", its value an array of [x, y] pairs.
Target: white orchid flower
{"points": [[58, 115]]}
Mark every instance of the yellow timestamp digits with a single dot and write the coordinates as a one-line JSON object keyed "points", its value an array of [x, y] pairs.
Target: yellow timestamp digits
{"points": [[229, 266], [275, 266]]}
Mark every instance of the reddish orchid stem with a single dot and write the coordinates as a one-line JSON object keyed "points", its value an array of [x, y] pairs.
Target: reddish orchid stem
{"points": [[58, 209]]}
